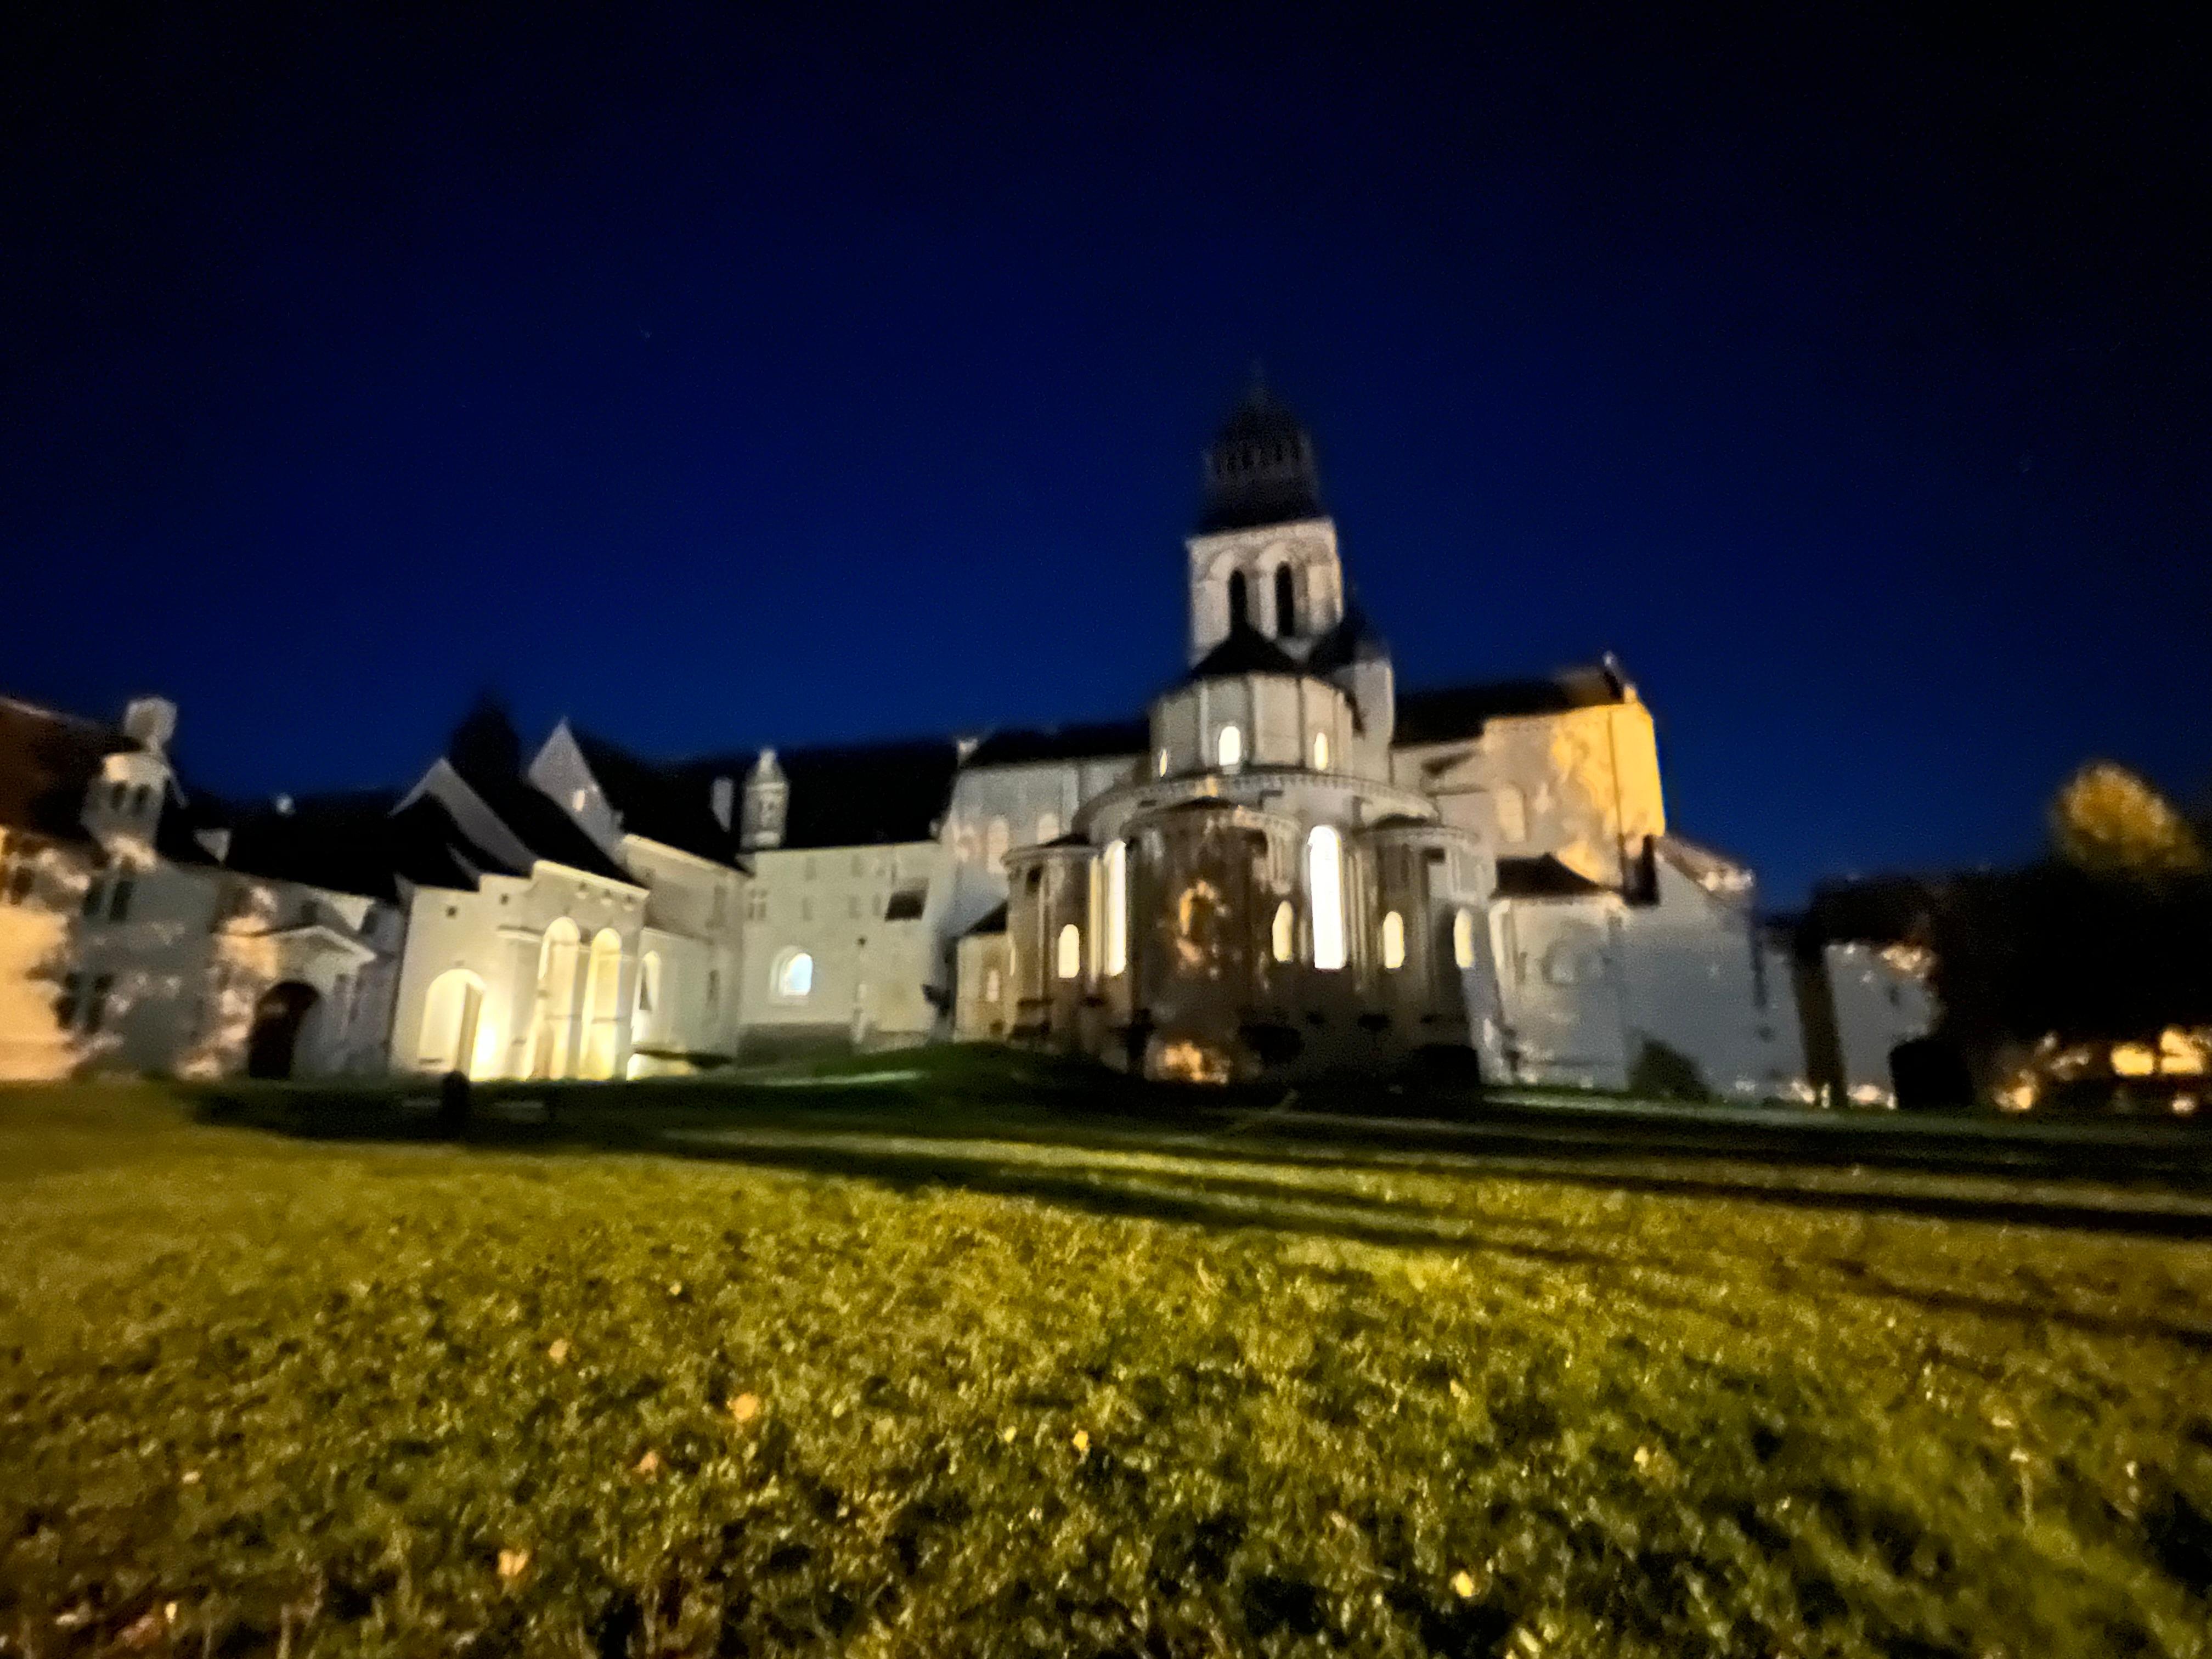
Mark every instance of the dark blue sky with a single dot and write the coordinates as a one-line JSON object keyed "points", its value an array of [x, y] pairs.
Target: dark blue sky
{"points": [[713, 384]]}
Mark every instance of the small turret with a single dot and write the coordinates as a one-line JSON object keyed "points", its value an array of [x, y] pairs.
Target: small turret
{"points": [[768, 795]]}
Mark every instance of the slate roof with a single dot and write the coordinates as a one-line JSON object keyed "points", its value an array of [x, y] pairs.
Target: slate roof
{"points": [[1097, 740], [857, 794], [538, 822], [1246, 651], [1543, 877], [1446, 713], [993, 921], [1261, 468], [673, 805], [48, 760]]}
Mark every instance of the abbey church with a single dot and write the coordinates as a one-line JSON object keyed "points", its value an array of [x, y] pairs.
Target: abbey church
{"points": [[1288, 864]]}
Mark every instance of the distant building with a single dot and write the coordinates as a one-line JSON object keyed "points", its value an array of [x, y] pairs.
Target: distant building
{"points": [[1287, 865]]}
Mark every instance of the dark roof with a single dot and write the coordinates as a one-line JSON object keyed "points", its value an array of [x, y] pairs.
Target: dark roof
{"points": [[1353, 640], [849, 795], [47, 760], [1544, 876], [1449, 712], [672, 806], [1096, 740], [1246, 651], [539, 823], [342, 842], [994, 922], [1261, 468]]}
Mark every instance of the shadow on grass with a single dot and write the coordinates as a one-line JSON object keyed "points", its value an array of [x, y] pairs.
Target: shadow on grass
{"points": [[1090, 1163]]}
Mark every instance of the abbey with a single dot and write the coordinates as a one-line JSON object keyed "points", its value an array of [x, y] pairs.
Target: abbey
{"points": [[1289, 864]]}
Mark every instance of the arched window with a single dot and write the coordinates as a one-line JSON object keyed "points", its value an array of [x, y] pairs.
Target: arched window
{"points": [[1463, 938], [1239, 605], [1229, 748], [794, 978], [1116, 919], [1325, 894], [648, 994], [451, 1015], [1160, 763], [991, 985], [1069, 959], [1286, 603], [1284, 933], [1394, 940], [553, 1020], [1320, 751], [602, 1003]]}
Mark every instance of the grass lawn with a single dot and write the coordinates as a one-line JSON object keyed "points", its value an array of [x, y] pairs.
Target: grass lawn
{"points": [[819, 1387]]}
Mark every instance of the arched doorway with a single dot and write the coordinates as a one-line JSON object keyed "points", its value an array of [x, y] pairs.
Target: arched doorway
{"points": [[451, 1013], [553, 1021], [277, 1016]]}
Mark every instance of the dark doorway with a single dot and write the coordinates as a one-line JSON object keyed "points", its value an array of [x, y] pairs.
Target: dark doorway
{"points": [[277, 1017], [1239, 605], [1929, 1075]]}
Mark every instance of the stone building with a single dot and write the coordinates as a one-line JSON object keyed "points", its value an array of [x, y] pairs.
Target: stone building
{"points": [[1286, 864]]}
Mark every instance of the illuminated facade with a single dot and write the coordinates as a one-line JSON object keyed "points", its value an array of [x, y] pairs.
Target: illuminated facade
{"points": [[1288, 863]]}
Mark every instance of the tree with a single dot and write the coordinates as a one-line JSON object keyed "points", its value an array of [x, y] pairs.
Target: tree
{"points": [[2108, 822]]}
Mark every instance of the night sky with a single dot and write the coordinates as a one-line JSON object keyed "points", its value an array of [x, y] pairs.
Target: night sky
{"points": [[717, 385]]}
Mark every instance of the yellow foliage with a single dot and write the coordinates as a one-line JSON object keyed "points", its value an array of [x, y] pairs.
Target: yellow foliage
{"points": [[2108, 820]]}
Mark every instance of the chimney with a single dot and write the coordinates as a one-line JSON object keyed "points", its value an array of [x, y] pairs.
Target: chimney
{"points": [[150, 722], [768, 795], [721, 796]]}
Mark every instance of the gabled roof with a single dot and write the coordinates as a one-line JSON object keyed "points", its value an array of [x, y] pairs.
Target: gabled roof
{"points": [[47, 760], [1448, 713], [345, 843], [540, 825], [1542, 877], [1097, 740], [672, 806]]}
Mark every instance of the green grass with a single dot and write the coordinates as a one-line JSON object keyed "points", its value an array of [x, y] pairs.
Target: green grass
{"points": [[1079, 1395]]}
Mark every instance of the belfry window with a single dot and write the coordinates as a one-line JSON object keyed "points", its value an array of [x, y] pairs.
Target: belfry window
{"points": [[1229, 748], [1286, 603], [1325, 894], [1239, 602]]}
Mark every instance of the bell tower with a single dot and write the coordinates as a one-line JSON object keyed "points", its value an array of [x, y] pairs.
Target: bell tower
{"points": [[1263, 557]]}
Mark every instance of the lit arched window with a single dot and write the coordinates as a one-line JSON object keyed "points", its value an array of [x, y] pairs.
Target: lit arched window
{"points": [[1286, 602], [1229, 748], [1463, 938], [1070, 951], [602, 1000], [1117, 918], [1285, 935], [448, 1040], [1320, 751], [1160, 763], [793, 979], [1394, 940], [649, 992], [1239, 606], [994, 845], [553, 1021], [1325, 894]]}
